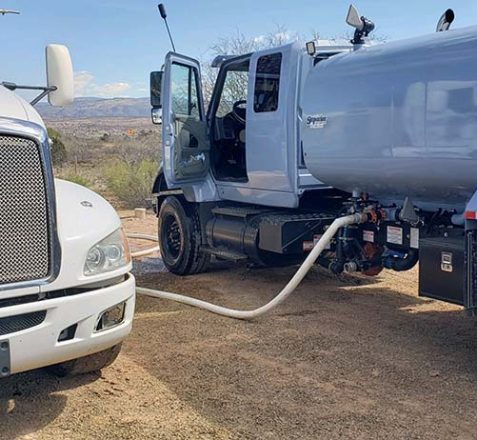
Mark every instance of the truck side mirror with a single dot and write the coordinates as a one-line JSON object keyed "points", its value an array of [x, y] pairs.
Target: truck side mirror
{"points": [[59, 73], [155, 89]]}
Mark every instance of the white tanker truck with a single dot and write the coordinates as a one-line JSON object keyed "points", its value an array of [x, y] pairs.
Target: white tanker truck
{"points": [[295, 138], [66, 294]]}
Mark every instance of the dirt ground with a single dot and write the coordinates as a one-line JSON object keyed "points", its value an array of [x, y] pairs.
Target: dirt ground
{"points": [[348, 358]]}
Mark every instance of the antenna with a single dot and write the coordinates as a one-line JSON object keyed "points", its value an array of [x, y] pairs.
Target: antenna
{"points": [[162, 11], [8, 11]]}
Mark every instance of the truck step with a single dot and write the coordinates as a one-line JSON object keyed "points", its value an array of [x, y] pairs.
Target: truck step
{"points": [[226, 254], [470, 296], [239, 211]]}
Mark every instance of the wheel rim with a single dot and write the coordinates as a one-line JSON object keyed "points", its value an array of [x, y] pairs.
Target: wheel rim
{"points": [[172, 237]]}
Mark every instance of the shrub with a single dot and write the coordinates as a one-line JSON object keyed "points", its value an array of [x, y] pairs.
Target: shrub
{"points": [[131, 183], [57, 147], [105, 137], [78, 179]]}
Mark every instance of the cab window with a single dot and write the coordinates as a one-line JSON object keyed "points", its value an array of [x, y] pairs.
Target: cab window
{"points": [[185, 92], [267, 83]]}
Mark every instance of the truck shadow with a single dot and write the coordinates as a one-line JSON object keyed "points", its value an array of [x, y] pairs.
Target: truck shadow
{"points": [[337, 349], [30, 401]]}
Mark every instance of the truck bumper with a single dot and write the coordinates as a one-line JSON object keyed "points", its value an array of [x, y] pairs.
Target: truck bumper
{"points": [[38, 346]]}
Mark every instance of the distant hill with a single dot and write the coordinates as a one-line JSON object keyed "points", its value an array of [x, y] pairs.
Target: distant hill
{"points": [[98, 107]]}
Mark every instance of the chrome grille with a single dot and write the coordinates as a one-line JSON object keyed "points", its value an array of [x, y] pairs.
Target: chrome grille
{"points": [[24, 232]]}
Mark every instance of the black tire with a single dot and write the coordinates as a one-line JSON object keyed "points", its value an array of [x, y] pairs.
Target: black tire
{"points": [[180, 238], [87, 364]]}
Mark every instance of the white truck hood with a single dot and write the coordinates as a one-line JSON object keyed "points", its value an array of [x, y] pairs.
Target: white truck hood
{"points": [[84, 219], [15, 107]]}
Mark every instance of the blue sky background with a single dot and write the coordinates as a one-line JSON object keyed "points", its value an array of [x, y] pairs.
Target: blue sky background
{"points": [[115, 43]]}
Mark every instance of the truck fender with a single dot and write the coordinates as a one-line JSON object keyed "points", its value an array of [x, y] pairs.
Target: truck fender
{"points": [[160, 183], [160, 190]]}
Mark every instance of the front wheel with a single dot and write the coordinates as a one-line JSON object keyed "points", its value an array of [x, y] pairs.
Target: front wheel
{"points": [[180, 238], [87, 364]]}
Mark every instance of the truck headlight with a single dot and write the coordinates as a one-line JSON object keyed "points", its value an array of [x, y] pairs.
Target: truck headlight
{"points": [[109, 254]]}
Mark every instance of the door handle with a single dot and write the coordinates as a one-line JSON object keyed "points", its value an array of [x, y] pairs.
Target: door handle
{"points": [[191, 160]]}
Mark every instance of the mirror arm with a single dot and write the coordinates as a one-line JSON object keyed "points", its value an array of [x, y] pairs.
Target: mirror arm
{"points": [[44, 90]]}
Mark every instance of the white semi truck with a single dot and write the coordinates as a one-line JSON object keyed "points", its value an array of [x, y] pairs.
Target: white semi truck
{"points": [[66, 294]]}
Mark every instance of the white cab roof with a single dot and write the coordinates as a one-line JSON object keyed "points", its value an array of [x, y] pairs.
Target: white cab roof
{"points": [[15, 107]]}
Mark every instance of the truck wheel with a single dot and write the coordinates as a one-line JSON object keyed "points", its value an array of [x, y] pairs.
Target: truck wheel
{"points": [[87, 364], [180, 238]]}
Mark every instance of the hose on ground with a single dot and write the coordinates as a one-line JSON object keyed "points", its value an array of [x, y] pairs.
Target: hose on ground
{"points": [[281, 296], [144, 252]]}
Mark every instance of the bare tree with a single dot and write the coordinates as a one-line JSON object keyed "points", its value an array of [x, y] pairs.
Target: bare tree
{"points": [[239, 44]]}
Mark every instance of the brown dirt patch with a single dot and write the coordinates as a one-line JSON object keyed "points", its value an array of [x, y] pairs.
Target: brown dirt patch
{"points": [[344, 357]]}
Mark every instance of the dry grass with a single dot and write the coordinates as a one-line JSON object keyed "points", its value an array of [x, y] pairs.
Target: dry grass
{"points": [[117, 157]]}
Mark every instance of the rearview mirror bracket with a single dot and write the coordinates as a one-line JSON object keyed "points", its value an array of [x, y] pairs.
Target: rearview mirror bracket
{"points": [[44, 90]]}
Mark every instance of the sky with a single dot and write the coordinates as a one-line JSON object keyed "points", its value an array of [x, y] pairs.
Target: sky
{"points": [[116, 43]]}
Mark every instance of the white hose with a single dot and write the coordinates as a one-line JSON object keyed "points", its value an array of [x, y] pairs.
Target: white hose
{"points": [[144, 252], [285, 292]]}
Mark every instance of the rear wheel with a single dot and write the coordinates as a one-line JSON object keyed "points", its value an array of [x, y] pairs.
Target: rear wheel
{"points": [[180, 238], [87, 364]]}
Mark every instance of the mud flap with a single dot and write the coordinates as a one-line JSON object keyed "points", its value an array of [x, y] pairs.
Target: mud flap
{"points": [[470, 297]]}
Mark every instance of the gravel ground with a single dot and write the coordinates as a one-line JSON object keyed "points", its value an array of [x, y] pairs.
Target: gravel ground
{"points": [[349, 358]]}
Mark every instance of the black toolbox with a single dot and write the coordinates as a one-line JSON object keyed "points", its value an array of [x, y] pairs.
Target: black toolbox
{"points": [[442, 268]]}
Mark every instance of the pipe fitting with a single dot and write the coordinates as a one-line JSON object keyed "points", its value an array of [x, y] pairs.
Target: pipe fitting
{"points": [[350, 267]]}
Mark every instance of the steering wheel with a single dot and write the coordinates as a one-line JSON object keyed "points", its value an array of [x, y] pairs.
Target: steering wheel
{"points": [[238, 110]]}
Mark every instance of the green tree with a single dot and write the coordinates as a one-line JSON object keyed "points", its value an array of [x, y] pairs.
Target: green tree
{"points": [[57, 147]]}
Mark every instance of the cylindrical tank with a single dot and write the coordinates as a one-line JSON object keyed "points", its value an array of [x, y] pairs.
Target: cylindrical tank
{"points": [[397, 119]]}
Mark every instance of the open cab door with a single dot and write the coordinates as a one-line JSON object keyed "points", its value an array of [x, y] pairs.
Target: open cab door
{"points": [[185, 143]]}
